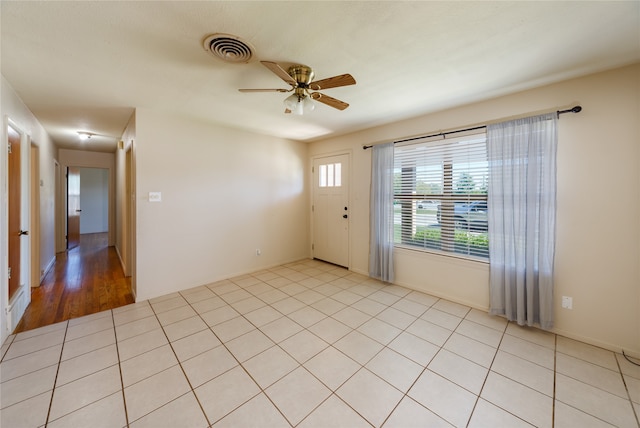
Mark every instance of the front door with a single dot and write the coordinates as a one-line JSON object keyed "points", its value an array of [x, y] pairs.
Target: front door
{"points": [[73, 207], [331, 209], [15, 201]]}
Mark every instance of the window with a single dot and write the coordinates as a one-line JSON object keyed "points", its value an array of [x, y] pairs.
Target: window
{"points": [[440, 196], [330, 175]]}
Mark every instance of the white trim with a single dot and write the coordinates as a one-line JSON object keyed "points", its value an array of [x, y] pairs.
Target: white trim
{"points": [[15, 307], [49, 266]]}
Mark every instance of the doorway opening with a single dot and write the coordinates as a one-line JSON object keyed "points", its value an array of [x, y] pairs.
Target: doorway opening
{"points": [[87, 276], [87, 203]]}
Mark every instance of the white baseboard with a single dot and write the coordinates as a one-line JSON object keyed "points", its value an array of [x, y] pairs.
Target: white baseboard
{"points": [[17, 306], [122, 263], [50, 265]]}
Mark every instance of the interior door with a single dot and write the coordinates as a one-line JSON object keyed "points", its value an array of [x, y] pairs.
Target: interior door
{"points": [[331, 209], [15, 201], [73, 207]]}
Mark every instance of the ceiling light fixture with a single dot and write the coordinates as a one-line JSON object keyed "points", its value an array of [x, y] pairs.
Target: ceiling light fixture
{"points": [[299, 103], [84, 135], [300, 77]]}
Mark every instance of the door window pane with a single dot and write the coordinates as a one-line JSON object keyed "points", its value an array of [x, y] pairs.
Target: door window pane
{"points": [[330, 175]]}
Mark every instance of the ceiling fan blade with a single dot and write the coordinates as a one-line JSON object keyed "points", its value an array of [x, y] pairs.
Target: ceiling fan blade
{"points": [[333, 82], [330, 101], [279, 71], [264, 90]]}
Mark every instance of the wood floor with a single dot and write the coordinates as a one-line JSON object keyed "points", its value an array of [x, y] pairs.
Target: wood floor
{"points": [[84, 280]]}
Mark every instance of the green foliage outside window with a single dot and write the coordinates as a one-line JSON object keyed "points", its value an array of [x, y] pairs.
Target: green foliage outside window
{"points": [[465, 242]]}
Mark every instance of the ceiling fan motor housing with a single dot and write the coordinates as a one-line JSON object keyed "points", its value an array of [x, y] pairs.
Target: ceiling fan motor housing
{"points": [[301, 74]]}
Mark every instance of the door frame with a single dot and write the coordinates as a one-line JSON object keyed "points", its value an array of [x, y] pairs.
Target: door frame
{"points": [[312, 174], [70, 245], [37, 273], [130, 226], [86, 159], [59, 198], [14, 308]]}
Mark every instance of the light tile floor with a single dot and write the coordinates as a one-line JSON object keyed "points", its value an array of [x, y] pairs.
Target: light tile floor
{"points": [[312, 345]]}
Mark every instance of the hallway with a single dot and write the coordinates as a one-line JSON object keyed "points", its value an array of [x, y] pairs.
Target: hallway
{"points": [[83, 281]]}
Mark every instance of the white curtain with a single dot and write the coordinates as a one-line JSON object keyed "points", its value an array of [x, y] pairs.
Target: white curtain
{"points": [[522, 218], [381, 217]]}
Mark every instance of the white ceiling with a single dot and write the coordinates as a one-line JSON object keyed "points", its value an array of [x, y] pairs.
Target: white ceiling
{"points": [[86, 65]]}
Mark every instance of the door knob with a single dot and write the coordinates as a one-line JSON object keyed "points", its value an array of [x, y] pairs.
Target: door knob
{"points": [[23, 232], [345, 216]]}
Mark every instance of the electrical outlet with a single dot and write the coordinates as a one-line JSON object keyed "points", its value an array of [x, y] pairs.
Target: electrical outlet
{"points": [[155, 196], [567, 302], [258, 252]]}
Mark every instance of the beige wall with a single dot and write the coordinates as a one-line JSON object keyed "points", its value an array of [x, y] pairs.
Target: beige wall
{"points": [[14, 109], [225, 193], [598, 229]]}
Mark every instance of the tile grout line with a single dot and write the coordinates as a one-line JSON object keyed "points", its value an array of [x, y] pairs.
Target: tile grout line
{"points": [[484, 382], [626, 387], [239, 363], [331, 345], [584, 382], [386, 346], [222, 343], [55, 380], [12, 337], [300, 365], [124, 400], [425, 368], [191, 388]]}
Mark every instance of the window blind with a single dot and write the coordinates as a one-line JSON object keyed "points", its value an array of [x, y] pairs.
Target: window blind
{"points": [[440, 195]]}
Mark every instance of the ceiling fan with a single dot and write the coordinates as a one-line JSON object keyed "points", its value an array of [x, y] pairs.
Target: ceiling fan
{"points": [[300, 77]]}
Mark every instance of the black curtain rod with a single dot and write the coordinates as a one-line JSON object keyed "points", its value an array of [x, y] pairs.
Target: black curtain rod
{"points": [[576, 109]]}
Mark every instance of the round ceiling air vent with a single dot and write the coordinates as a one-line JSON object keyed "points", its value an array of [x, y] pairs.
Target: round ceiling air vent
{"points": [[228, 48]]}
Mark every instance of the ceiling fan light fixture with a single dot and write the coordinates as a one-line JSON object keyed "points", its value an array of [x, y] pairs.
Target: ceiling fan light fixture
{"points": [[300, 77], [308, 105], [299, 104], [291, 101]]}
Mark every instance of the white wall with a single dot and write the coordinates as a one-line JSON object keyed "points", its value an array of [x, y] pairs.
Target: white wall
{"points": [[598, 229], [225, 193], [14, 109], [94, 200], [88, 159]]}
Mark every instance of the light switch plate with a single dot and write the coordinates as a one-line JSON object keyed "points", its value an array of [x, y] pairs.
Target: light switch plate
{"points": [[155, 196]]}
